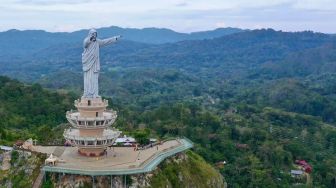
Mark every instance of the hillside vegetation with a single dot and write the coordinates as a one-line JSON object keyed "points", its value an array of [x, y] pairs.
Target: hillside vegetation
{"points": [[258, 100], [188, 170], [30, 111]]}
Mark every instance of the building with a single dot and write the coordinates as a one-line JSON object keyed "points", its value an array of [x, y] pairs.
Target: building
{"points": [[125, 141], [152, 140], [91, 122], [296, 173], [6, 148], [304, 165]]}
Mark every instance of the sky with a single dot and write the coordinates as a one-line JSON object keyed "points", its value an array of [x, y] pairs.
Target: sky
{"points": [[179, 15]]}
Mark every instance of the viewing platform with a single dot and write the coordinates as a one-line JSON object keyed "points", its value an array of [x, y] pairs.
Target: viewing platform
{"points": [[75, 137], [107, 118], [117, 161]]}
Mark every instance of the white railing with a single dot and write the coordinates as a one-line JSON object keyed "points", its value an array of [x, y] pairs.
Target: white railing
{"points": [[106, 120], [107, 114], [73, 134]]}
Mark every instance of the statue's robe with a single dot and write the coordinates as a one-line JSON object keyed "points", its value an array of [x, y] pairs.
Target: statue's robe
{"points": [[91, 64]]}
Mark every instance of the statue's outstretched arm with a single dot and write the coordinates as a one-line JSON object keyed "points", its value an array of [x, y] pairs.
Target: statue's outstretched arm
{"points": [[104, 42]]}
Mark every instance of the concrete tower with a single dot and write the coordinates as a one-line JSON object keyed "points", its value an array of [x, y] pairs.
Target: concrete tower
{"points": [[91, 122], [91, 133]]}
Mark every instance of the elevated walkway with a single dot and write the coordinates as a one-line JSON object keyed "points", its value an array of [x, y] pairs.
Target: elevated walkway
{"points": [[116, 163]]}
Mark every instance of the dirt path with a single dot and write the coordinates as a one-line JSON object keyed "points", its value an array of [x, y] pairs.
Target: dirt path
{"points": [[38, 181], [309, 182], [6, 161]]}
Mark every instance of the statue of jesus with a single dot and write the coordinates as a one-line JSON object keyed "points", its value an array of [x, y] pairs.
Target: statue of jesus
{"points": [[91, 64]]}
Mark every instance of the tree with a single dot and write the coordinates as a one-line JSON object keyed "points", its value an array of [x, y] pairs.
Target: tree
{"points": [[142, 136]]}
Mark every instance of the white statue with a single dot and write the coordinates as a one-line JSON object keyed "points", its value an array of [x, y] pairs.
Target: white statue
{"points": [[91, 64]]}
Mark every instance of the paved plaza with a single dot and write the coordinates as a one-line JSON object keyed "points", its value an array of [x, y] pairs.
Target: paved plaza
{"points": [[118, 159]]}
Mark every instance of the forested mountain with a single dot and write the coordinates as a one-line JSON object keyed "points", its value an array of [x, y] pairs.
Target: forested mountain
{"points": [[314, 61], [21, 43], [257, 99], [233, 55]]}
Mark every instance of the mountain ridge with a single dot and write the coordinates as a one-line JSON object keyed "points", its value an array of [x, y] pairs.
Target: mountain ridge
{"points": [[243, 51], [16, 42]]}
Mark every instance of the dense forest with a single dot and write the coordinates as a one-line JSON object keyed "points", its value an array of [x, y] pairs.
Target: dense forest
{"points": [[258, 100], [30, 111]]}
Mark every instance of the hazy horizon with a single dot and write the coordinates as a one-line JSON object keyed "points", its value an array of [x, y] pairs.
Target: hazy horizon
{"points": [[79, 29], [179, 15]]}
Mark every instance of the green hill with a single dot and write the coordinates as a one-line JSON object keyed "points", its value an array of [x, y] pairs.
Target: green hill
{"points": [[271, 138], [258, 100], [30, 111]]}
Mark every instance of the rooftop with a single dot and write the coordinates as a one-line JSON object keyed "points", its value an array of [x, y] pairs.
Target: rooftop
{"points": [[125, 139], [296, 172], [6, 148]]}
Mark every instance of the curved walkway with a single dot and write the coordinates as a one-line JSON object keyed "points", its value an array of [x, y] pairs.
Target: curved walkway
{"points": [[146, 166]]}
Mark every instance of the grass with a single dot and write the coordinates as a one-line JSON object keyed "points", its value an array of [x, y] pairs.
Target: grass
{"points": [[192, 172]]}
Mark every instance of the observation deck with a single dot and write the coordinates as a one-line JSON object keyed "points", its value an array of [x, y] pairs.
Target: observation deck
{"points": [[119, 161], [106, 119], [106, 138]]}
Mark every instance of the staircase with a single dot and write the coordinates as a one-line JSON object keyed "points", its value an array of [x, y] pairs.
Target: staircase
{"points": [[58, 151]]}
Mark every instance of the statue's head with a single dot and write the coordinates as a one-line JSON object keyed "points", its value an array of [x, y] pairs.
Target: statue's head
{"points": [[93, 34]]}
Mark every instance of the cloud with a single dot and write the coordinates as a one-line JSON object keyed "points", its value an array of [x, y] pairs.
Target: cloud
{"points": [[322, 5], [51, 2], [181, 15], [182, 4]]}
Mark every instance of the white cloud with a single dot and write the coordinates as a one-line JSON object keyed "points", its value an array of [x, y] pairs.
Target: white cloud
{"points": [[326, 5], [181, 15]]}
